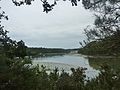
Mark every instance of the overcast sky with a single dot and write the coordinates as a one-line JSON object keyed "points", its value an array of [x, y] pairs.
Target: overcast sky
{"points": [[60, 28]]}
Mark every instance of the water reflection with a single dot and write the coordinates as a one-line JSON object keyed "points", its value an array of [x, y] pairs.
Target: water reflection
{"points": [[67, 62]]}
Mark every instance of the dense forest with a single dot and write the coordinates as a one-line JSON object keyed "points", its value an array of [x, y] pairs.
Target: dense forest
{"points": [[18, 73]]}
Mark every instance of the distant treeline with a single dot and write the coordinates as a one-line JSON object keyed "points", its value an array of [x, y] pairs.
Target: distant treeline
{"points": [[36, 51]]}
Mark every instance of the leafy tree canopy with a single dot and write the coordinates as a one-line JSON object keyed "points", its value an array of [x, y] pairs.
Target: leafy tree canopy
{"points": [[97, 5], [107, 20], [7, 45]]}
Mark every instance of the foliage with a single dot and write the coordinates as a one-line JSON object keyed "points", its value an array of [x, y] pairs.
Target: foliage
{"points": [[107, 20], [17, 75], [4, 39], [45, 3], [20, 50], [46, 51], [97, 61], [107, 46], [20, 74], [8, 46], [108, 79], [103, 36]]}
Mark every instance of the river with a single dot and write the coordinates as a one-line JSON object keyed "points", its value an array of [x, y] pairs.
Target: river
{"points": [[69, 61]]}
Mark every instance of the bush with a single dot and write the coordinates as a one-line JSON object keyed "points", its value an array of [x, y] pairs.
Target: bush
{"points": [[19, 74]]}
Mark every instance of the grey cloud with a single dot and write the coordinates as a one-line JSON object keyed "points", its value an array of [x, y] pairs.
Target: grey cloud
{"points": [[62, 27]]}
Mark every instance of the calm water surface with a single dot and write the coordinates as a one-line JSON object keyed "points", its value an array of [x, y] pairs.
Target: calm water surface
{"points": [[66, 62]]}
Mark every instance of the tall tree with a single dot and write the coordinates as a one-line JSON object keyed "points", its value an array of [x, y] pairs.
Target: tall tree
{"points": [[20, 49], [7, 45], [107, 20]]}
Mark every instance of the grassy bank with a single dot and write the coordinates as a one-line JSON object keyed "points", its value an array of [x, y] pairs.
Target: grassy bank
{"points": [[106, 46]]}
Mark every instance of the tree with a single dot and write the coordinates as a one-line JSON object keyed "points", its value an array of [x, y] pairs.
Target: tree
{"points": [[9, 47], [20, 49], [3, 33], [107, 20], [103, 36], [46, 5], [4, 39]]}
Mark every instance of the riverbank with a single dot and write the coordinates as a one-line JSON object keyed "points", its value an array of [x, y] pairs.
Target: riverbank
{"points": [[22, 74], [36, 51], [102, 56]]}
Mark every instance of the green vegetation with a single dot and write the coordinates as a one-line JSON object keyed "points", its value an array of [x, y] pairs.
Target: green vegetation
{"points": [[19, 74], [107, 46], [41, 52], [96, 62], [46, 51], [103, 36]]}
